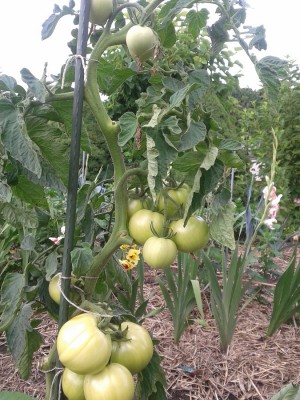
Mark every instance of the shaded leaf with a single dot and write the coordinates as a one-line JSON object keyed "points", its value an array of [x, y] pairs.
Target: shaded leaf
{"points": [[14, 396], [167, 35], [221, 226], [82, 259], [36, 87], [11, 298], [196, 21], [23, 341], [128, 127]]}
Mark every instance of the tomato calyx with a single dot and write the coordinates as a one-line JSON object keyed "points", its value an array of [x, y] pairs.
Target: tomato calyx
{"points": [[117, 334]]}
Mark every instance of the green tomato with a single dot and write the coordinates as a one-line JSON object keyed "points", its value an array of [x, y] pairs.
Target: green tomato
{"points": [[140, 223], [135, 352], [141, 42], [82, 347], [114, 382], [53, 288], [100, 11], [192, 237], [136, 204], [72, 385], [179, 197], [159, 253]]}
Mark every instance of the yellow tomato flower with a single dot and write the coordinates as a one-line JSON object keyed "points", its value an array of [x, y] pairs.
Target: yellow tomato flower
{"points": [[133, 256], [124, 246], [126, 264]]}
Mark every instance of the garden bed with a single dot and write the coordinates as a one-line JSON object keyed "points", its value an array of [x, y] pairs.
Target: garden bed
{"points": [[254, 367]]}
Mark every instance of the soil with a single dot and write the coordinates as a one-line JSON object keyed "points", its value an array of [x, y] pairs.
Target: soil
{"points": [[254, 367]]}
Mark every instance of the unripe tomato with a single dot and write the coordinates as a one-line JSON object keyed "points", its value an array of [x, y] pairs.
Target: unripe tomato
{"points": [[192, 237], [53, 288], [114, 382], [159, 253], [72, 385], [179, 196], [100, 11], [140, 222], [82, 347], [136, 204], [141, 42], [135, 352]]}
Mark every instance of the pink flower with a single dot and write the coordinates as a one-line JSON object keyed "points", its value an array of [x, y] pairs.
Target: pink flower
{"points": [[269, 222], [56, 240], [297, 201], [254, 170]]}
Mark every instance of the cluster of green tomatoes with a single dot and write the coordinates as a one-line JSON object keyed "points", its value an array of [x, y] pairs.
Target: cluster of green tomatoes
{"points": [[160, 242], [99, 364]]}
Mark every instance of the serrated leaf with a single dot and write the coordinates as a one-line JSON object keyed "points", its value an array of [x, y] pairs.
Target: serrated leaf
{"points": [[167, 35], [82, 259], [230, 144], [110, 78], [30, 192], [11, 298], [15, 139], [189, 161], [128, 128], [173, 8], [220, 201], [36, 87], [49, 25], [230, 159], [23, 341], [19, 214], [221, 226], [177, 98], [8, 82], [196, 21], [289, 392]]}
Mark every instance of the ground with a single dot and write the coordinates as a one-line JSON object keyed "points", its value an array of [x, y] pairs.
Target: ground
{"points": [[254, 367]]}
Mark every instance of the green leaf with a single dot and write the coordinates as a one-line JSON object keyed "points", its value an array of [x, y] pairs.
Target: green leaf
{"points": [[36, 87], [19, 214], [270, 71], [230, 159], [11, 298], [173, 8], [210, 158], [128, 128], [14, 396], [151, 381], [30, 192], [167, 35], [177, 98], [221, 226], [23, 341], [28, 243], [49, 25], [195, 133], [7, 82], [5, 193], [51, 264], [15, 139], [196, 20], [82, 259], [220, 201], [289, 392], [189, 161], [110, 78], [230, 144]]}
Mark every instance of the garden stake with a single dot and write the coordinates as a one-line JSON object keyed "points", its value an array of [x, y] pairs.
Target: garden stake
{"points": [[73, 167]]}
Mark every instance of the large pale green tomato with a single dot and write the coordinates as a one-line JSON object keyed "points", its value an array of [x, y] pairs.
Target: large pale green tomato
{"points": [[114, 382], [135, 352], [141, 42], [192, 237], [82, 347], [179, 198], [72, 385], [159, 253], [100, 11], [140, 223]]}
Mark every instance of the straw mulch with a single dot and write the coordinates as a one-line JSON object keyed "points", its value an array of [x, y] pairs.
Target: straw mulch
{"points": [[255, 367]]}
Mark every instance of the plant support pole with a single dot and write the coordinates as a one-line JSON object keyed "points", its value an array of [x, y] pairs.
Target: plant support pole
{"points": [[73, 166]]}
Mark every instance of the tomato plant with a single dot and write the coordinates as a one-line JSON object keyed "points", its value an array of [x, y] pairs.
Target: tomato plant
{"points": [[174, 200], [135, 349], [141, 42], [72, 385], [114, 382], [140, 223], [191, 237], [82, 347], [159, 252], [100, 11]]}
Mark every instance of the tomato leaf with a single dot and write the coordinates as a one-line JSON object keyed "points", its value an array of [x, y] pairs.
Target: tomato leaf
{"points": [[195, 133], [15, 139], [167, 35], [23, 340], [82, 259], [196, 21], [151, 381], [11, 298], [19, 214], [221, 226], [36, 87], [128, 127]]}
